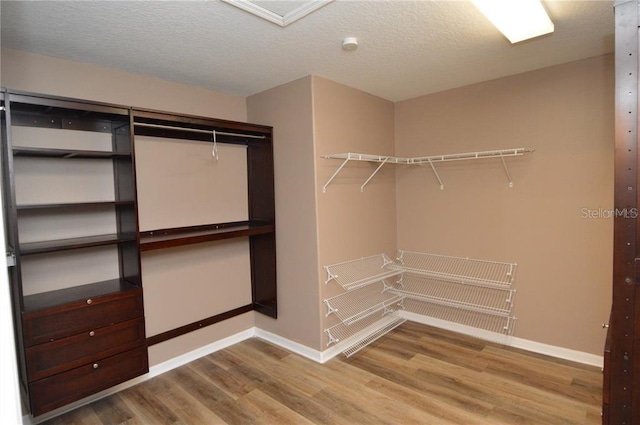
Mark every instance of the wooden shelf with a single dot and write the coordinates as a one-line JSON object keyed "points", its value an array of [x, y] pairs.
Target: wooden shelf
{"points": [[74, 205], [48, 299], [67, 153], [169, 238], [41, 247]]}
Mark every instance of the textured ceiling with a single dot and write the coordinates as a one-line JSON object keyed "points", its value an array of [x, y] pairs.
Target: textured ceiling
{"points": [[406, 48]]}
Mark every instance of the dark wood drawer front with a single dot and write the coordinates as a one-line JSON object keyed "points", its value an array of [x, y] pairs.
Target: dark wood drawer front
{"points": [[67, 387], [81, 316], [54, 357]]}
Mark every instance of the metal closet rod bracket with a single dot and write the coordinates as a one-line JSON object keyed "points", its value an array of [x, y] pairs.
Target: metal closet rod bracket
{"points": [[431, 160]]}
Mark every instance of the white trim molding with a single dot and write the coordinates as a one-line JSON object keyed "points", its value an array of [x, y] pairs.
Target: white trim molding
{"points": [[290, 17], [295, 347]]}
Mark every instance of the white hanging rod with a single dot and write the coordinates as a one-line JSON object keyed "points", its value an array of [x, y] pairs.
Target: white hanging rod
{"points": [[421, 160], [196, 130]]}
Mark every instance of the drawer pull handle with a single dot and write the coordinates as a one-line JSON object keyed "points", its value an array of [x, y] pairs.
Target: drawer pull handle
{"points": [[95, 365], [92, 333], [89, 301]]}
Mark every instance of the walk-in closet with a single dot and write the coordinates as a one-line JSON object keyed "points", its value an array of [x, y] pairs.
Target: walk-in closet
{"points": [[320, 211]]}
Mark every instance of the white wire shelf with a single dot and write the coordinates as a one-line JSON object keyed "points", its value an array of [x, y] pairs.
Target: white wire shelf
{"points": [[495, 328], [477, 295], [353, 306], [478, 299], [491, 274], [351, 339], [364, 271], [423, 160]]}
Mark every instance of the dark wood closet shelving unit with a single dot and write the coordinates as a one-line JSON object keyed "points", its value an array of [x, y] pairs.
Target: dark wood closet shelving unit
{"points": [[90, 335], [86, 337], [259, 228]]}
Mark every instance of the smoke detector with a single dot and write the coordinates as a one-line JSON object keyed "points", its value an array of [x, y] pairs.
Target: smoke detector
{"points": [[349, 44]]}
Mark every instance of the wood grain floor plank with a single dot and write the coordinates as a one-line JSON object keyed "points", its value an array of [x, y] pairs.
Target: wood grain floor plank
{"points": [[149, 408], [235, 386], [271, 412], [291, 398], [380, 365], [257, 353], [186, 407], [436, 410], [112, 410]]}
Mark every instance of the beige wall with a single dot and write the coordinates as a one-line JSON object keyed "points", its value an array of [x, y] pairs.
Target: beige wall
{"points": [[288, 108], [313, 117], [564, 260], [181, 285], [352, 224], [48, 75]]}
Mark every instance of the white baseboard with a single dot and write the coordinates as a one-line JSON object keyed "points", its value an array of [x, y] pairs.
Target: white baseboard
{"points": [[525, 344], [558, 352], [295, 347], [200, 352]]}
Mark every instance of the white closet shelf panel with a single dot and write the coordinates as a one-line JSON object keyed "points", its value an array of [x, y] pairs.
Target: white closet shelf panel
{"points": [[422, 160], [457, 269], [350, 340], [364, 271], [353, 306], [486, 326], [495, 301]]}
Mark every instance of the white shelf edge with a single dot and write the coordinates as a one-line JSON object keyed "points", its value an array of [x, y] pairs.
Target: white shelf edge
{"points": [[422, 160]]}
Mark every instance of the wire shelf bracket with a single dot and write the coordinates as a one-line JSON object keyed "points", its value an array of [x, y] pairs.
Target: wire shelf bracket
{"points": [[431, 160]]}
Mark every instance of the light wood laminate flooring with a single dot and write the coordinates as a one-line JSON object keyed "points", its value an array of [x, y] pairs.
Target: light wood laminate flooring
{"points": [[414, 375]]}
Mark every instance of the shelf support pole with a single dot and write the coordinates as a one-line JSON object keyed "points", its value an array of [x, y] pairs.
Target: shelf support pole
{"points": [[373, 174], [324, 188], [433, 167], [506, 170]]}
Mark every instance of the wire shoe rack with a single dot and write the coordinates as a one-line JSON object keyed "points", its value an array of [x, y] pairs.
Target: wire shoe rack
{"points": [[364, 271], [468, 295]]}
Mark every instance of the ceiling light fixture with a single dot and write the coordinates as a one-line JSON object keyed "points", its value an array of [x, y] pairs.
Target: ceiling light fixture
{"points": [[518, 20]]}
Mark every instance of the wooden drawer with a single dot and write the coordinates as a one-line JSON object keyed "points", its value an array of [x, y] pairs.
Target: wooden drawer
{"points": [[54, 357], [81, 316], [67, 387]]}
